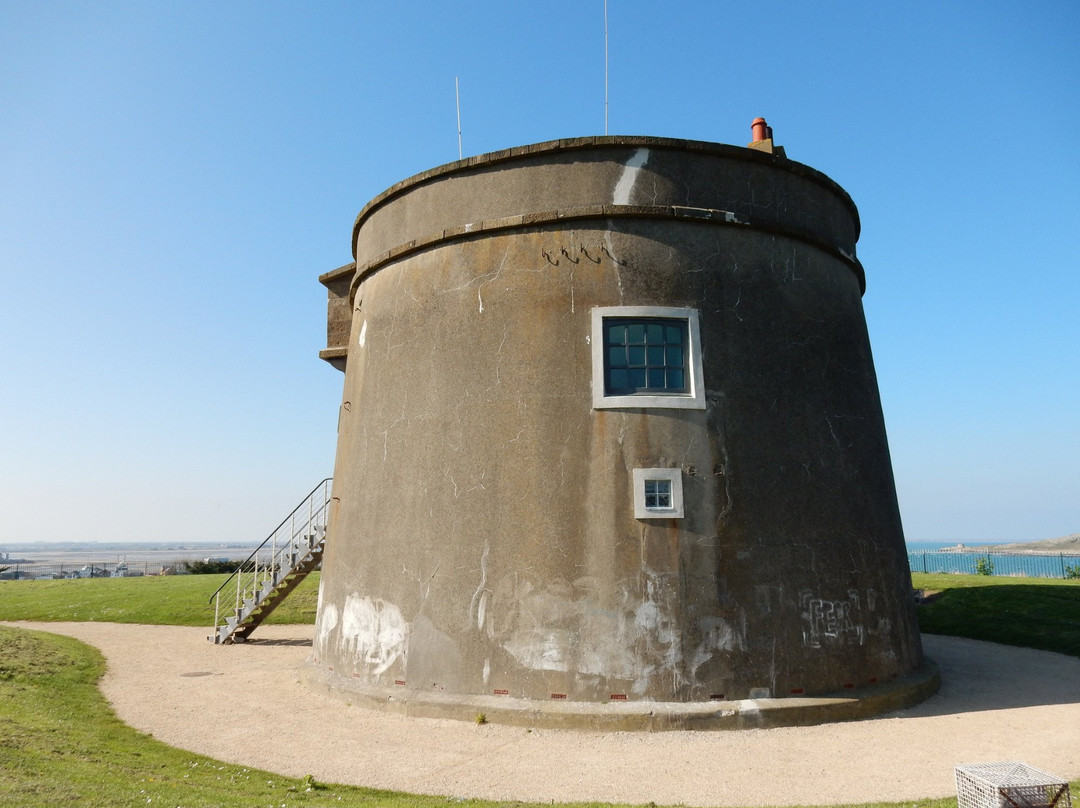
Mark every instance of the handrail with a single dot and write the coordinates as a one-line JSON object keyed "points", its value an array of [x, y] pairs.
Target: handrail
{"points": [[247, 563], [270, 573]]}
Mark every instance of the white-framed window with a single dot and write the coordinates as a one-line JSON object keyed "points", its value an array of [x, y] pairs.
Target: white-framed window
{"points": [[646, 356], [658, 494]]}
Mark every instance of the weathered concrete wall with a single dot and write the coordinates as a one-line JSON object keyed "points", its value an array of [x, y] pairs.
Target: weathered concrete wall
{"points": [[484, 539]]}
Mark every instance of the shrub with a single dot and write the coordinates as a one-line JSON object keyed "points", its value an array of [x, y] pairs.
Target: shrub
{"points": [[211, 567], [1072, 570], [984, 566]]}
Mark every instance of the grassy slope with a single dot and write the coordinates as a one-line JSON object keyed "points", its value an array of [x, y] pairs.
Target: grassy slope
{"points": [[170, 600], [61, 744], [1029, 612]]}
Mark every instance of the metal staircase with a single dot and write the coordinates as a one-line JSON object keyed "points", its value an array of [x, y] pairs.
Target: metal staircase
{"points": [[274, 570]]}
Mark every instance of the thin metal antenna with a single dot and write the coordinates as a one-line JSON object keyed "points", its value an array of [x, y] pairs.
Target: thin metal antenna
{"points": [[605, 70], [457, 99]]}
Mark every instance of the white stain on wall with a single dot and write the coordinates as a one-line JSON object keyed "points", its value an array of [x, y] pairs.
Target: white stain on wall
{"points": [[325, 625], [481, 611], [478, 605], [718, 636], [373, 632], [629, 178], [562, 626]]}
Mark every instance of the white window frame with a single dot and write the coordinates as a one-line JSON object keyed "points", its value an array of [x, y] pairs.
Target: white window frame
{"points": [[693, 399], [674, 476]]}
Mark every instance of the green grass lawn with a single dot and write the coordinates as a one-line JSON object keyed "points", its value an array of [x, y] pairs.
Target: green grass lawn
{"points": [[61, 744], [165, 600], [1029, 612]]}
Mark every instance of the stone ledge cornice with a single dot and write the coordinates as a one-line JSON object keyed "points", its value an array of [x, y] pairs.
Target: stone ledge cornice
{"points": [[603, 142], [539, 219]]}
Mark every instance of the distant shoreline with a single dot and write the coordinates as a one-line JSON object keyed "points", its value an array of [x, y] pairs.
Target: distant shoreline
{"points": [[1066, 544], [138, 551], [68, 553]]}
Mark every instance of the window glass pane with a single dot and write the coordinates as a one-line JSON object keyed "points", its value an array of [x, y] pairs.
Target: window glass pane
{"points": [[652, 352], [657, 494]]}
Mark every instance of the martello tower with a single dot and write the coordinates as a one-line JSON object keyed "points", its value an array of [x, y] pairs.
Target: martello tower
{"points": [[610, 450]]}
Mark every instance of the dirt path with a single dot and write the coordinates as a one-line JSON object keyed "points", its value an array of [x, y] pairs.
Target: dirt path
{"points": [[244, 704]]}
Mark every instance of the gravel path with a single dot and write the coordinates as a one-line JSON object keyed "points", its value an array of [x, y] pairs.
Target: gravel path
{"points": [[244, 704]]}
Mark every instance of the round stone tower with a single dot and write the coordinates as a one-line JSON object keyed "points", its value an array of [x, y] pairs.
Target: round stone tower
{"points": [[610, 450]]}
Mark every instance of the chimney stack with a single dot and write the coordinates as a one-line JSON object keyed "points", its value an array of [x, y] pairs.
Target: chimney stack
{"points": [[762, 138], [758, 130]]}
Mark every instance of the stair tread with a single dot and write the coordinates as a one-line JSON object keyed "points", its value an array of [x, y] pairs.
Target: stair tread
{"points": [[273, 581]]}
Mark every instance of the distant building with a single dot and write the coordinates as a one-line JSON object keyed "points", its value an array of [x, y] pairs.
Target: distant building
{"points": [[610, 432]]}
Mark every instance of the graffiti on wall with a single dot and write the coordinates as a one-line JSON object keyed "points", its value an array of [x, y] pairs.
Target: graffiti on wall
{"points": [[831, 622]]}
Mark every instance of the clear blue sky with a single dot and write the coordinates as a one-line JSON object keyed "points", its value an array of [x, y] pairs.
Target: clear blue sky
{"points": [[174, 177]]}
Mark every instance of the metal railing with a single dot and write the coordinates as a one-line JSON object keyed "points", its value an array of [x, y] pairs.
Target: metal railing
{"points": [[41, 571], [289, 542], [1020, 565]]}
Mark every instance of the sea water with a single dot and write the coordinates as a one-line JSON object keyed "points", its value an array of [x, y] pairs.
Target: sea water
{"points": [[955, 558]]}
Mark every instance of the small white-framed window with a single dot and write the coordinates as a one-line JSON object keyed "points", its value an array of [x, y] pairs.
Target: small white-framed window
{"points": [[646, 356], [658, 494]]}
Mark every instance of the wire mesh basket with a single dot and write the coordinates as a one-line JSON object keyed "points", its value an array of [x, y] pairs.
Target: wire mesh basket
{"points": [[1009, 785]]}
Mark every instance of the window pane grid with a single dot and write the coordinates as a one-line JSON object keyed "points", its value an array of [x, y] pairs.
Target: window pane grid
{"points": [[644, 355], [657, 494]]}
